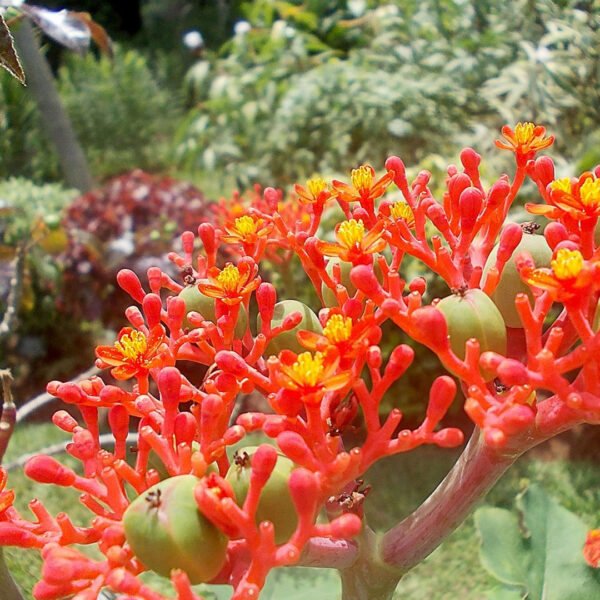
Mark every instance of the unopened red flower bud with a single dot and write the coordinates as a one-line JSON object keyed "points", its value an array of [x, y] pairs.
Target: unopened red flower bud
{"points": [[374, 357], [230, 362], [510, 238], [212, 405], [555, 233], [516, 418], [152, 306], [64, 420], [176, 310], [418, 284], [431, 326], [169, 385], [544, 170], [206, 231], [45, 469], [346, 526], [130, 283], [498, 193], [292, 444], [441, 396], [304, 489], [470, 202], [292, 320], [393, 163], [263, 463], [457, 184], [266, 297], [364, 279], [400, 359], [512, 372], [450, 437], [272, 197], [187, 242], [311, 247], [118, 420], [470, 160], [184, 428]]}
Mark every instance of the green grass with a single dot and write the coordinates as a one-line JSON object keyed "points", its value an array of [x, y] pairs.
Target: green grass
{"points": [[399, 484]]}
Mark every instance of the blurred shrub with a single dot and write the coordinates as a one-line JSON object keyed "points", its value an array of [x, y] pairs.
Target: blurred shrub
{"points": [[131, 222], [24, 149], [45, 342], [121, 112]]}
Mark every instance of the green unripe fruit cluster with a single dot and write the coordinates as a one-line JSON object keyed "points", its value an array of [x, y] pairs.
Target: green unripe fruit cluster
{"points": [[166, 531], [196, 301], [287, 340], [510, 283], [275, 504], [474, 315]]}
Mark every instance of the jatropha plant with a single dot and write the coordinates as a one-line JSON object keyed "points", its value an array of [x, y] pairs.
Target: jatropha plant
{"points": [[190, 510]]}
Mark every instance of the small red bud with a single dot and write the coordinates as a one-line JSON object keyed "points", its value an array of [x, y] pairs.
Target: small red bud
{"points": [[555, 233], [311, 247], [206, 231], [230, 362], [45, 469], [346, 526], [449, 437], [184, 428], [304, 489], [152, 307], [441, 396], [364, 279], [400, 359], [431, 326], [263, 463], [512, 372], [374, 357], [544, 170], [64, 421], [272, 197], [470, 160], [470, 202], [129, 282], [510, 238], [176, 310], [498, 193], [294, 447], [418, 284], [516, 418], [169, 385], [118, 420], [393, 163]]}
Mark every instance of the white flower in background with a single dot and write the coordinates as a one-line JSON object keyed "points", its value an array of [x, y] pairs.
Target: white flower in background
{"points": [[241, 28], [357, 7], [543, 54], [193, 40]]}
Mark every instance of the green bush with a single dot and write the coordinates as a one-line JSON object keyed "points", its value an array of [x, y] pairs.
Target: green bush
{"points": [[121, 112]]}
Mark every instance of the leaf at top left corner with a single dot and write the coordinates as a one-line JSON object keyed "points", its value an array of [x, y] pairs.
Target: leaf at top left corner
{"points": [[8, 55]]}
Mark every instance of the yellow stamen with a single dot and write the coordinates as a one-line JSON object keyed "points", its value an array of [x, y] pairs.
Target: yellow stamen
{"points": [[247, 225], [524, 132], [338, 329], [229, 278], [564, 185], [567, 264], [308, 368], [362, 178], [590, 192], [401, 210], [315, 186], [351, 233], [132, 345]]}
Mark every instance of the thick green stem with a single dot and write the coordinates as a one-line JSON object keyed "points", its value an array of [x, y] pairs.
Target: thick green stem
{"points": [[474, 474], [369, 578]]}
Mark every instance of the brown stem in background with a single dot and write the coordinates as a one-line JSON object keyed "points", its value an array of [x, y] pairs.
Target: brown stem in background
{"points": [[9, 412], [16, 283]]}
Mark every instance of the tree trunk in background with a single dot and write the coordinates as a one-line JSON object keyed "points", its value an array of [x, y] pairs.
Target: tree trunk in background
{"points": [[8, 587], [55, 120]]}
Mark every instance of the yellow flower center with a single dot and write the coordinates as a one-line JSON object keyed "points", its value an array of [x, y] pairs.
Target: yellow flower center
{"points": [[401, 210], [564, 185], [590, 192], [247, 225], [567, 264], [338, 329], [315, 186], [308, 368], [351, 233], [229, 278], [362, 178], [524, 132], [132, 345]]}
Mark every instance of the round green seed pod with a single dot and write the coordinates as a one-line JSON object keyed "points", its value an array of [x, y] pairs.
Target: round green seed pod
{"points": [[474, 315], [510, 283], [166, 531], [275, 504], [288, 340], [196, 301]]}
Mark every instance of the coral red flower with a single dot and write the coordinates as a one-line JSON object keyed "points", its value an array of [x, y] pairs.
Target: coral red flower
{"points": [[568, 276], [133, 354], [6, 497], [311, 375], [246, 230], [524, 141], [578, 198], [351, 339], [353, 244], [231, 284], [315, 192], [591, 550], [363, 188]]}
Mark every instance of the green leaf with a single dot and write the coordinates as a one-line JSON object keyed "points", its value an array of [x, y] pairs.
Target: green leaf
{"points": [[541, 552], [505, 593]]}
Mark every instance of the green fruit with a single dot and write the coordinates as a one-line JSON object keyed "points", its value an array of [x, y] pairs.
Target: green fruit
{"points": [[195, 300], [510, 283], [474, 315], [166, 531], [275, 504], [288, 340]]}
